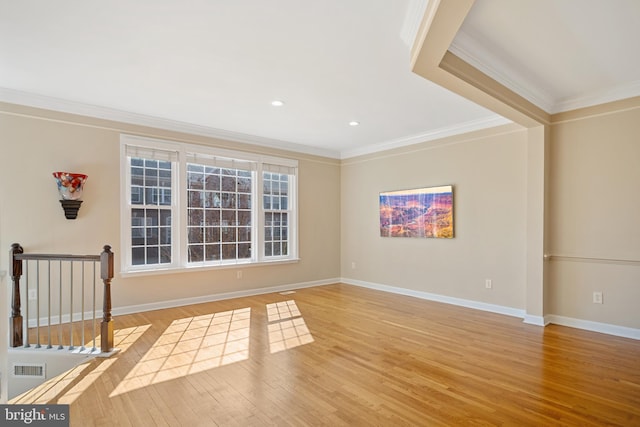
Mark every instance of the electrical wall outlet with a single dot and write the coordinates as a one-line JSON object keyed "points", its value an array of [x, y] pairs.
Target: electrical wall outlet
{"points": [[488, 284], [33, 294], [239, 274], [597, 297], [353, 265]]}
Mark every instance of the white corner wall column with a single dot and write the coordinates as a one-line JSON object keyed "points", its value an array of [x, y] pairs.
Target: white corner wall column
{"points": [[537, 149]]}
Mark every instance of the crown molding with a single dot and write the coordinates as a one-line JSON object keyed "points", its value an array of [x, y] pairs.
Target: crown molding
{"points": [[617, 93], [61, 105], [470, 126], [463, 46], [412, 20]]}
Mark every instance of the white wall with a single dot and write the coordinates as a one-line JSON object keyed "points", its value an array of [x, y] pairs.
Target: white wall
{"points": [[594, 201], [36, 143], [488, 172]]}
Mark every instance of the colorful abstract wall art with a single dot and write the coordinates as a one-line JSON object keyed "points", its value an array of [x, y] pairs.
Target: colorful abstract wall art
{"points": [[422, 212]]}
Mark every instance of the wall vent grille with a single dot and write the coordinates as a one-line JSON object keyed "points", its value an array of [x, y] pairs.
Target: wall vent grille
{"points": [[31, 370]]}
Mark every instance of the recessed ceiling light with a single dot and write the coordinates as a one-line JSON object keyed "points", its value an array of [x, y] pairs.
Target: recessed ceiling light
{"points": [[354, 123], [277, 103]]}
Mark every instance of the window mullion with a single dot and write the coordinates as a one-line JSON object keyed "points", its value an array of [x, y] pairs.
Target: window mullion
{"points": [[258, 214], [181, 211]]}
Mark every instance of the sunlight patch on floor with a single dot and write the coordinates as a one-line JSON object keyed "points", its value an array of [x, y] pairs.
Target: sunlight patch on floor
{"points": [[287, 328], [192, 345], [76, 391], [81, 377], [50, 389]]}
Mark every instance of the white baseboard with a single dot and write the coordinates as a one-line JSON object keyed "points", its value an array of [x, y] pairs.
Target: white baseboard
{"points": [[493, 308], [138, 308], [218, 297], [605, 328], [588, 325], [535, 320]]}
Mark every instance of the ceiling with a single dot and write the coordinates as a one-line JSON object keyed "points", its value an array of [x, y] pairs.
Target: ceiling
{"points": [[213, 67], [558, 54]]}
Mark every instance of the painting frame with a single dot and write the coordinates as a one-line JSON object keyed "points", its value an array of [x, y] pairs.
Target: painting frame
{"points": [[425, 212]]}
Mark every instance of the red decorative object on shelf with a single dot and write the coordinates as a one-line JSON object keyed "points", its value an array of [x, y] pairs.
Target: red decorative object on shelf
{"points": [[70, 187]]}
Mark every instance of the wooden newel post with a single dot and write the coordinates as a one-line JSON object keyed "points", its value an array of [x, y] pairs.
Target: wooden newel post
{"points": [[16, 317], [106, 274]]}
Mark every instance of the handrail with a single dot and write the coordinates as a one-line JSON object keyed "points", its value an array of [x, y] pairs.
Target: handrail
{"points": [[105, 259], [57, 257]]}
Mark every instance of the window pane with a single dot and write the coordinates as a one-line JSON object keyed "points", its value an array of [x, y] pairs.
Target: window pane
{"points": [[228, 200], [244, 234], [244, 250], [136, 195], [212, 252], [212, 199], [165, 217], [228, 234], [244, 218], [195, 180], [152, 236], [196, 253], [164, 178], [196, 217], [212, 182], [212, 235], [195, 199], [229, 251], [212, 216], [196, 235], [165, 235], [151, 196], [228, 217], [228, 183], [137, 176], [150, 177], [137, 256], [244, 185], [244, 201], [153, 255], [165, 254]]}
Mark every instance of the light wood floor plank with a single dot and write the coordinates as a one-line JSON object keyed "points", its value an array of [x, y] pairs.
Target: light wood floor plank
{"points": [[352, 356]]}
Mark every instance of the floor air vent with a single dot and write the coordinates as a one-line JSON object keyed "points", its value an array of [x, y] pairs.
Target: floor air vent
{"points": [[287, 292], [31, 370]]}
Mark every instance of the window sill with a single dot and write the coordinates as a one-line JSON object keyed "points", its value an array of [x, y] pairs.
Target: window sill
{"points": [[199, 268]]}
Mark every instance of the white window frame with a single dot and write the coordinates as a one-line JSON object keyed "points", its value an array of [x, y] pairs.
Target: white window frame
{"points": [[179, 221]]}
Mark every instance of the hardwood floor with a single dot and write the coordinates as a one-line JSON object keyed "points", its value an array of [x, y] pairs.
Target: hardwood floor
{"points": [[343, 355]]}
